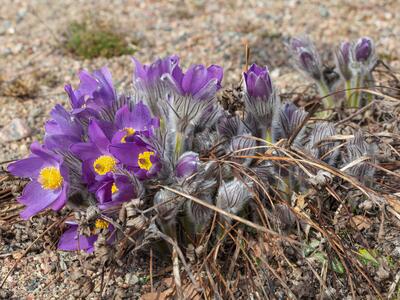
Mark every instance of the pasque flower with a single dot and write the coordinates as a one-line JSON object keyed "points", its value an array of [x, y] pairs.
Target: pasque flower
{"points": [[49, 181], [95, 91], [138, 156], [138, 120], [73, 240], [260, 98], [342, 58], [112, 190], [62, 130], [96, 159]]}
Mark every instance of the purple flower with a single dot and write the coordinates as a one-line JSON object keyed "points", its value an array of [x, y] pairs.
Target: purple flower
{"points": [[97, 161], [200, 82], [113, 190], [95, 91], [138, 156], [138, 120], [306, 57], [258, 82], [260, 99], [364, 49], [62, 130], [49, 185], [71, 240], [150, 74], [342, 57], [187, 164]]}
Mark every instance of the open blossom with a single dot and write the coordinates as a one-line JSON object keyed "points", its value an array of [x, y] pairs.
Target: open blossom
{"points": [[138, 156], [96, 159], [138, 120], [113, 190], [49, 181]]}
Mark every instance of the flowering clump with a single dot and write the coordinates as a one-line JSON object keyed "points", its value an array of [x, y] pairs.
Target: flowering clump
{"points": [[111, 156]]}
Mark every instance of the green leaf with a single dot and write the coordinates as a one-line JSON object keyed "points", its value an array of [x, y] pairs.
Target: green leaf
{"points": [[366, 257], [337, 266]]}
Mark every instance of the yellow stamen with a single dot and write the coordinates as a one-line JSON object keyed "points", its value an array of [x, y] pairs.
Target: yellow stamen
{"points": [[50, 178], [114, 188], [101, 224], [104, 164], [144, 161], [129, 131]]}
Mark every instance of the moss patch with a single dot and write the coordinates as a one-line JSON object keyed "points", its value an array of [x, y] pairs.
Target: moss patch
{"points": [[90, 39]]}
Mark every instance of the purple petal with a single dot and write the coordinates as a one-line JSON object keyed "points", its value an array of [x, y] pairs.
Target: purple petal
{"points": [[97, 136], [28, 167], [36, 199], [194, 79], [71, 240]]}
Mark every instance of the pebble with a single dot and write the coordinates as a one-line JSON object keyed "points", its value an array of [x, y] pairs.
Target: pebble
{"points": [[16, 130]]}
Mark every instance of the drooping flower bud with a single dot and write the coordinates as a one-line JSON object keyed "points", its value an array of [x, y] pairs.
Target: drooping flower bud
{"points": [[357, 147], [286, 122], [187, 164]]}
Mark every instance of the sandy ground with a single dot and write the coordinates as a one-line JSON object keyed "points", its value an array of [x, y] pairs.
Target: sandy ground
{"points": [[207, 32]]}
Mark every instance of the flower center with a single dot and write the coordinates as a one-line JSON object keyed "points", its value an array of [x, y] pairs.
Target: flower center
{"points": [[144, 161], [50, 178], [114, 188], [101, 224], [104, 164], [129, 131]]}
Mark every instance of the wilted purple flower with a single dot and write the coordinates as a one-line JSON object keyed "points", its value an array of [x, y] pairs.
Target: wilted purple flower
{"points": [[287, 120], [49, 185], [258, 82], [306, 57], [113, 190], [187, 164], [138, 120], [96, 159], [138, 155], [364, 49], [342, 58], [62, 130]]}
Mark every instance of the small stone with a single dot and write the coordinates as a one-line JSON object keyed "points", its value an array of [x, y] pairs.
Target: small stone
{"points": [[16, 130]]}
